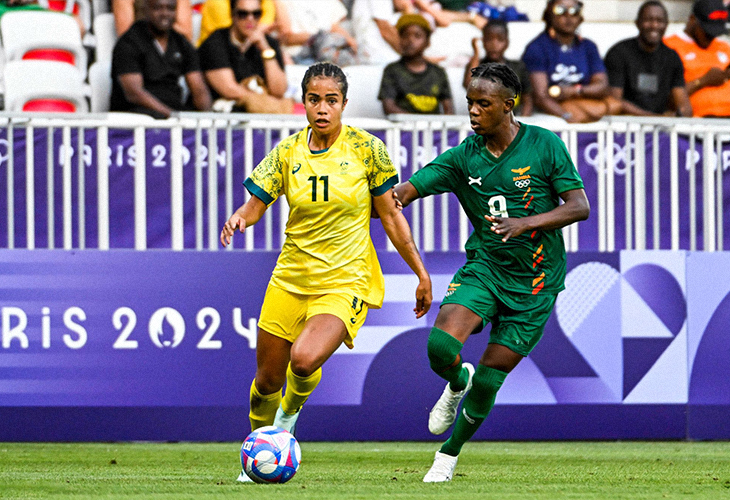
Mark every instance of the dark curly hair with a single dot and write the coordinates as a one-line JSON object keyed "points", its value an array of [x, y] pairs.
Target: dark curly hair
{"points": [[499, 73], [328, 70]]}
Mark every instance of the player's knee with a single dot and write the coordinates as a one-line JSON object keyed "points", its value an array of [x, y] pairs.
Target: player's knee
{"points": [[303, 366], [443, 349], [268, 382]]}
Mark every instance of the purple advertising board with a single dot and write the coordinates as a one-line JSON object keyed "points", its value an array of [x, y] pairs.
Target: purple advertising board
{"points": [[160, 345]]}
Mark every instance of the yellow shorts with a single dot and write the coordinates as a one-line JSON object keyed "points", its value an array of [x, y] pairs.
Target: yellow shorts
{"points": [[284, 313]]}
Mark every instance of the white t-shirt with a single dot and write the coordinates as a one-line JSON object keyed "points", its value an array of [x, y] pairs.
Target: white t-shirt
{"points": [[311, 16], [372, 48]]}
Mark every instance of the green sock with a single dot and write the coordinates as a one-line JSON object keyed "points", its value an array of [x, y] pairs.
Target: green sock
{"points": [[477, 405], [445, 360]]}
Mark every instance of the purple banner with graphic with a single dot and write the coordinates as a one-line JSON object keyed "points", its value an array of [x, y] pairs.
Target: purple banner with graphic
{"points": [[160, 345], [122, 156]]}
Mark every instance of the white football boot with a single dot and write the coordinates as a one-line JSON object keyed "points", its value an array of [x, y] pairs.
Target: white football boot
{"points": [[442, 469], [286, 421], [243, 477], [444, 411]]}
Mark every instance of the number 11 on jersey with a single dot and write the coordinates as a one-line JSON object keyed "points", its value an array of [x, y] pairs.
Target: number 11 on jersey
{"points": [[325, 186]]}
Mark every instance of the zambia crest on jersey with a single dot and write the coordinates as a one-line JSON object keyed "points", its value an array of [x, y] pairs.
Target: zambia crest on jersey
{"points": [[522, 180]]}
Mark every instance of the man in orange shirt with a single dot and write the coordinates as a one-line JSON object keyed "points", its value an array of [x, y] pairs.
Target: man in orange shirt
{"points": [[706, 59]]}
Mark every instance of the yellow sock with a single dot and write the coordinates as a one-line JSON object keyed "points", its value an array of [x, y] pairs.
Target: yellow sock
{"points": [[263, 407], [298, 389]]}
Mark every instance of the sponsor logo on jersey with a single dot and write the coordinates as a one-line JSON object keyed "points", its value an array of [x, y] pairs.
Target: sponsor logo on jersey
{"points": [[452, 288], [473, 180], [296, 168]]}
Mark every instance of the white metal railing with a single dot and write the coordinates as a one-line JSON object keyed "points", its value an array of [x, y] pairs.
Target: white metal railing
{"points": [[636, 222]]}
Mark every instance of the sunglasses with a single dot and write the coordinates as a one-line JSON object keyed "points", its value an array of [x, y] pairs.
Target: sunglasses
{"points": [[560, 10], [243, 14]]}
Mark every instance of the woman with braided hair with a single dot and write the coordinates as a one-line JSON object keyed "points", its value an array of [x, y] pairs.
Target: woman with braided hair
{"points": [[509, 178], [327, 275]]}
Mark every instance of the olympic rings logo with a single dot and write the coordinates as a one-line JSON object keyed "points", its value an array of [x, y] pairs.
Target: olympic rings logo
{"points": [[523, 183]]}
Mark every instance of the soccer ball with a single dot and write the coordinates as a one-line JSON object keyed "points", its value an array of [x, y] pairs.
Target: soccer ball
{"points": [[270, 455]]}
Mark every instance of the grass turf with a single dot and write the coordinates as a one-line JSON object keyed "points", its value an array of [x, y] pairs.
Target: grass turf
{"points": [[500, 470]]}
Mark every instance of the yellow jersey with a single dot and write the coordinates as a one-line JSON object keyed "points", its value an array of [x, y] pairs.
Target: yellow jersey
{"points": [[328, 247]]}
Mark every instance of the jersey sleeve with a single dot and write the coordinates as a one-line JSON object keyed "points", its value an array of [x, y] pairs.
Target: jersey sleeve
{"points": [[382, 174], [441, 174], [267, 179], [564, 175]]}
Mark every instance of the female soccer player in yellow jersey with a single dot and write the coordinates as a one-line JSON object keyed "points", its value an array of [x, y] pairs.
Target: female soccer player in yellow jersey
{"points": [[327, 275]]}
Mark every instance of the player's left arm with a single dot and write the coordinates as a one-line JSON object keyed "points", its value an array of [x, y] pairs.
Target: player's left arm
{"points": [[397, 228], [575, 208]]}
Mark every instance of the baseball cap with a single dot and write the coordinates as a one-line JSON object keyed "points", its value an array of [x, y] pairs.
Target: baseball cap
{"points": [[417, 19], [712, 15]]}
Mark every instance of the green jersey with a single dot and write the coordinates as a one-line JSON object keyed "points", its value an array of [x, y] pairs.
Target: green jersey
{"points": [[525, 180]]}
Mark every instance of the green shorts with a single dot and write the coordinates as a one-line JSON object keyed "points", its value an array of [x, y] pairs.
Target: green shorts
{"points": [[518, 320]]}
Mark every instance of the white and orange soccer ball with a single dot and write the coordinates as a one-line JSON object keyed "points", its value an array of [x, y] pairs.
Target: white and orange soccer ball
{"points": [[270, 455]]}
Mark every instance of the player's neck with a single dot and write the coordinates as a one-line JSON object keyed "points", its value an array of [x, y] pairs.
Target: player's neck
{"points": [[500, 141], [319, 141]]}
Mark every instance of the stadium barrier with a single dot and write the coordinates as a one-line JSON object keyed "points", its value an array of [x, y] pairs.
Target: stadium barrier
{"points": [[653, 183]]}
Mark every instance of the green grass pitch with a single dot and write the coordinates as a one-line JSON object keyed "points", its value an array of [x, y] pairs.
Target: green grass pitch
{"points": [[486, 470]]}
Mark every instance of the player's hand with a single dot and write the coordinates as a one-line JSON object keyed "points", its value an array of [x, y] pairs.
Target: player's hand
{"points": [[509, 227], [424, 297], [229, 228]]}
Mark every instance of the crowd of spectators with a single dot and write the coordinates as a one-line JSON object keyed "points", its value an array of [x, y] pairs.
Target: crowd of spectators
{"points": [[244, 47]]}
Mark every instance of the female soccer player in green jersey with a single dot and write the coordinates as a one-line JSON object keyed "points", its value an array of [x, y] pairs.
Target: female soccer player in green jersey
{"points": [[508, 178], [327, 275]]}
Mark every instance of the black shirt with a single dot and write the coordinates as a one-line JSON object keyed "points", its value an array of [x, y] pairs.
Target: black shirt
{"points": [[415, 92], [137, 52], [647, 78], [217, 51]]}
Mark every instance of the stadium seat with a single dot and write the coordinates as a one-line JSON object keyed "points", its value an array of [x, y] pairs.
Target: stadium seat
{"points": [[42, 35], [364, 83], [100, 83], [106, 36], [47, 86], [80, 8], [458, 93]]}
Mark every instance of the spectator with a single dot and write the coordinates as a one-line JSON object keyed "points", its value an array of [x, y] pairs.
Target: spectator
{"points": [[315, 25], [216, 14], [495, 40], [148, 62], [413, 84], [232, 58], [644, 73], [126, 12], [445, 12], [706, 58], [567, 74], [373, 24]]}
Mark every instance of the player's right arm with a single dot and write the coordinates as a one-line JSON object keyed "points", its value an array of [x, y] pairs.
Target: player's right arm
{"points": [[247, 214]]}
